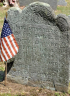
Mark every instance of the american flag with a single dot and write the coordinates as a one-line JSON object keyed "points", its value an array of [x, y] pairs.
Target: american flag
{"points": [[8, 44]]}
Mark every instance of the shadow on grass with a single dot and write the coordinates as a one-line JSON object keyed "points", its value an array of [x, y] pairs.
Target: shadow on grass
{"points": [[2, 75]]}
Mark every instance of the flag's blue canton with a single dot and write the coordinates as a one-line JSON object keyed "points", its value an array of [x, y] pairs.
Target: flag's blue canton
{"points": [[6, 31]]}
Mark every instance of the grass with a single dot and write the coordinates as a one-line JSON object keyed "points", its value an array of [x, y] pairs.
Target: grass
{"points": [[63, 9], [1, 4], [8, 94], [2, 15], [2, 68], [60, 9]]}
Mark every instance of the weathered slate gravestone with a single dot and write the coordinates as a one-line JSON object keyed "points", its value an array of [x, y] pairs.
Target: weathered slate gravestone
{"points": [[69, 16], [43, 42], [62, 2], [53, 3]]}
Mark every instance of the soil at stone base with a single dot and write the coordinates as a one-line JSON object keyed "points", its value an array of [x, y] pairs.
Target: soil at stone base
{"points": [[22, 90]]}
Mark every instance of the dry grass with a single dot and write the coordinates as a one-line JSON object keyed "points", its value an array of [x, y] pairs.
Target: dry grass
{"points": [[2, 15]]}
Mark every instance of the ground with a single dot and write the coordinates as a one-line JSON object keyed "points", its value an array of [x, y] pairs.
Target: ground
{"points": [[15, 88], [23, 90]]}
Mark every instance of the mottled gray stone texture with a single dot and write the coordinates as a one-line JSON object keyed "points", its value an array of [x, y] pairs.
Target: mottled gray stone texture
{"points": [[43, 39], [69, 53], [62, 2], [53, 3]]}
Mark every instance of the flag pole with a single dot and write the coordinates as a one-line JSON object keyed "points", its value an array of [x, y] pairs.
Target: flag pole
{"points": [[5, 74], [6, 14]]}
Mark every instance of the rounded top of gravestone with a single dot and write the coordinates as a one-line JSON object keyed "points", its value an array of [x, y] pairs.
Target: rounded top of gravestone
{"points": [[39, 10], [42, 9]]}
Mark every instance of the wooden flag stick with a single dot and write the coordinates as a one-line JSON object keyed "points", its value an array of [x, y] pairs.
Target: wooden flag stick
{"points": [[6, 14], [6, 74]]}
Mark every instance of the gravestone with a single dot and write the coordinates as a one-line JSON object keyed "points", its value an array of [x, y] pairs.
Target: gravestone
{"points": [[43, 39], [62, 2], [53, 3], [69, 17]]}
